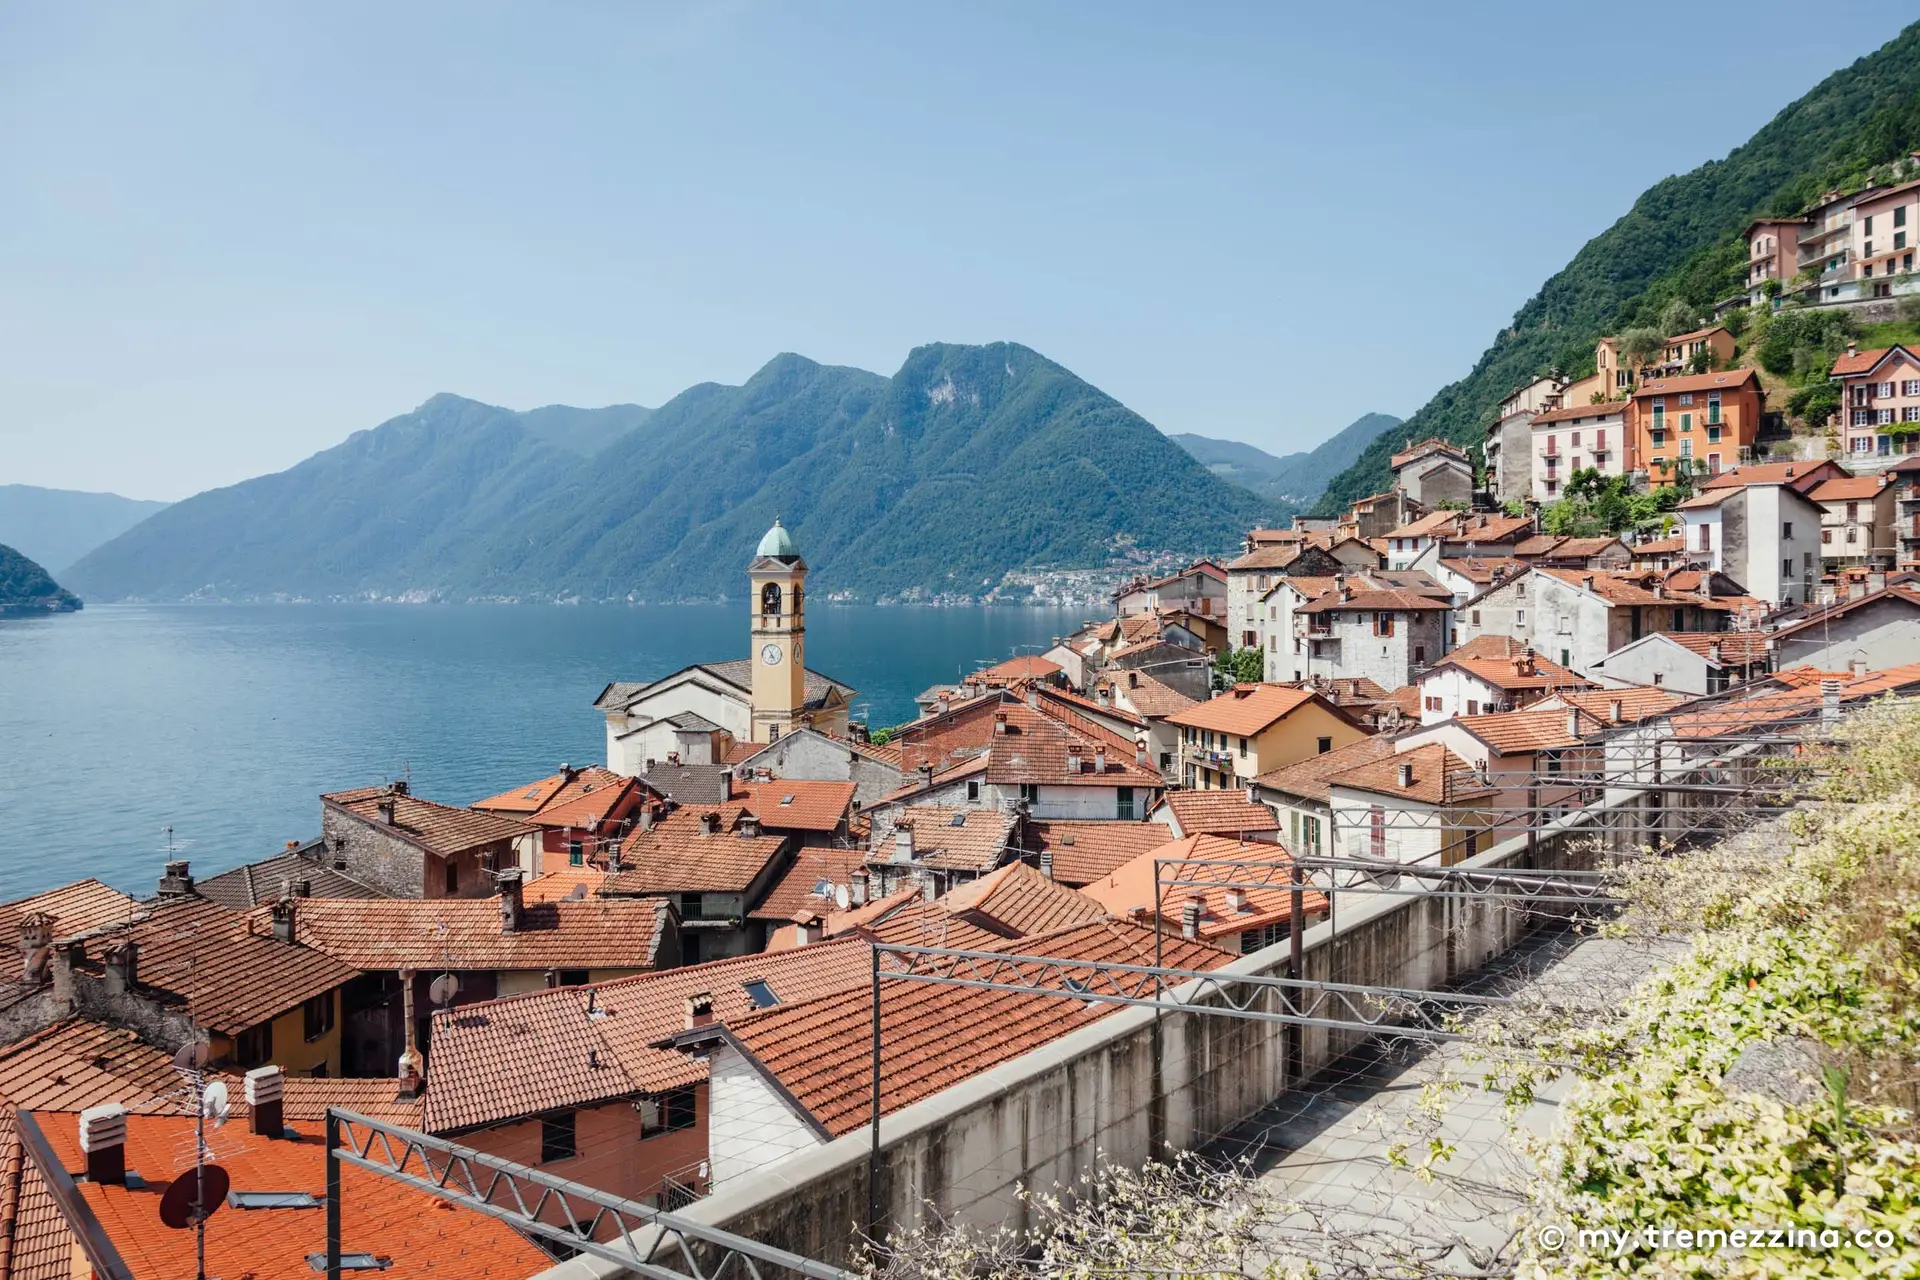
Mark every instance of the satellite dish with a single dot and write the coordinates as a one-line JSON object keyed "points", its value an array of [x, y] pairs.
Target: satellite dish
{"points": [[191, 1056], [194, 1196], [444, 989], [577, 894], [841, 898], [214, 1103]]}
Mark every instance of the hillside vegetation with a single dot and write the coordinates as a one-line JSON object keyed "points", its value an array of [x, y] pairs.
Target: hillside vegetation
{"points": [[968, 462], [26, 588], [1681, 240]]}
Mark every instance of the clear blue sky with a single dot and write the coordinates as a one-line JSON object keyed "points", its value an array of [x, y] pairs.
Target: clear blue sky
{"points": [[232, 234]]}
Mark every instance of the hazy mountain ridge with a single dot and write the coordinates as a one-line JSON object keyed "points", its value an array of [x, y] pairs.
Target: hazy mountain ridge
{"points": [[55, 527], [28, 589], [968, 462], [1294, 477]]}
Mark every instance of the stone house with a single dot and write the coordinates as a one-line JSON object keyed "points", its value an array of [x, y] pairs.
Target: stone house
{"points": [[414, 848]]}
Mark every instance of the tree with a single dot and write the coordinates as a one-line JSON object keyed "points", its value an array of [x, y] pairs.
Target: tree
{"points": [[1640, 346], [1240, 666], [1678, 316]]}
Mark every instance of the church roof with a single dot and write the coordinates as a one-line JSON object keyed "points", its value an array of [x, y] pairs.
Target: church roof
{"points": [[778, 543], [737, 672]]}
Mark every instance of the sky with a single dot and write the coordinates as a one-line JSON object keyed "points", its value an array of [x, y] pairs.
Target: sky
{"points": [[231, 235]]}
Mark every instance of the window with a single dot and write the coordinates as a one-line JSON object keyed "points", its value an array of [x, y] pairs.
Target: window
{"points": [[1124, 803], [1519, 617], [1473, 706], [1713, 409], [1686, 398], [760, 993], [1566, 659], [576, 856], [1899, 240], [1432, 704], [1659, 437], [1882, 417], [453, 877], [1910, 387], [1826, 536], [1310, 833], [557, 1137], [1325, 745], [1867, 229], [1686, 448], [1911, 413], [1853, 511], [1900, 216], [973, 789], [573, 977], [317, 1014], [666, 1112], [1659, 677], [254, 1046], [1243, 746], [1713, 464], [1853, 535], [1383, 624], [1576, 439], [1030, 792], [1786, 529], [1713, 435], [1419, 653], [1786, 568], [1476, 617]]}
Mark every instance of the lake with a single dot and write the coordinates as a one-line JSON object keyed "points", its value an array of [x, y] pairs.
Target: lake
{"points": [[226, 723]]}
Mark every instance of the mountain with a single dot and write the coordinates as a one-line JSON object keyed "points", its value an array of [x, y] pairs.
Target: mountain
{"points": [[27, 589], [1680, 240], [58, 526], [583, 431], [967, 463], [1297, 477]]}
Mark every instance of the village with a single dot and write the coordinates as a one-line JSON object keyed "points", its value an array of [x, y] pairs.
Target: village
{"points": [[657, 976]]}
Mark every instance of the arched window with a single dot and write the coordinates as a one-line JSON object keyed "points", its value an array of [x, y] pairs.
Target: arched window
{"points": [[770, 599]]}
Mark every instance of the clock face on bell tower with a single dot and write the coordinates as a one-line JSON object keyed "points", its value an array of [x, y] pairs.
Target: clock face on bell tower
{"points": [[770, 654]]}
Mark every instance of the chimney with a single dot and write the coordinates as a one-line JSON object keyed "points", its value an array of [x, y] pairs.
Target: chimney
{"points": [[928, 890], [1659, 590], [749, 828], [1586, 580], [1573, 722], [303, 888], [1858, 667], [1190, 917], [999, 722], [1236, 899], [709, 823], [103, 1137], [1789, 471], [1046, 863], [1829, 701], [1033, 697], [412, 1082], [1406, 776], [512, 899], [122, 962], [903, 842], [282, 913], [1706, 584], [263, 1086], [1133, 679], [857, 889], [1614, 713], [36, 947], [1713, 652], [646, 816], [699, 1009], [943, 704], [176, 881], [673, 757], [1105, 695]]}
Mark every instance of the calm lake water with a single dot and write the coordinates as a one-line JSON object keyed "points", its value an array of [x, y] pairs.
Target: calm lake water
{"points": [[227, 722]]}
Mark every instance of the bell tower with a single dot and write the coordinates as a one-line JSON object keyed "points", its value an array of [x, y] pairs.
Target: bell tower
{"points": [[778, 602]]}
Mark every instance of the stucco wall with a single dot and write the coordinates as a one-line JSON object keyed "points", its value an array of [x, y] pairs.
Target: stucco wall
{"points": [[750, 1125], [1884, 634]]}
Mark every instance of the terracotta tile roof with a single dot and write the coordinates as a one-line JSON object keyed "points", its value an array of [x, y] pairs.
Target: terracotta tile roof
{"points": [[586, 807], [306, 1098], [1660, 547], [1728, 380], [1581, 412], [797, 805], [1431, 445], [1861, 361], [740, 751], [465, 933], [883, 753], [1520, 732], [951, 839], [438, 828], [1309, 778], [1217, 813], [941, 778], [919, 923], [232, 976], [1267, 557], [80, 907], [1407, 699], [1085, 851], [1480, 570], [1737, 648], [1129, 889], [1039, 749], [1698, 333], [1900, 594], [1308, 588], [1151, 697], [1427, 526], [1636, 704], [1849, 488], [1023, 667], [559, 788], [1636, 587], [596, 1048], [1344, 691], [1391, 599], [75, 1064], [565, 882], [42, 1245], [1801, 476], [793, 893], [680, 856], [1513, 674], [820, 1050], [1018, 900], [1439, 776], [258, 883], [1244, 709], [1489, 528], [423, 1235], [1065, 700]]}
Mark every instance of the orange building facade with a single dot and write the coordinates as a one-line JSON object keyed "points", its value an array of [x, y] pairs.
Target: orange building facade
{"points": [[1708, 421]]}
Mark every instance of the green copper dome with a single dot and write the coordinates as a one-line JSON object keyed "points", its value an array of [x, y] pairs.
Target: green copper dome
{"points": [[778, 543]]}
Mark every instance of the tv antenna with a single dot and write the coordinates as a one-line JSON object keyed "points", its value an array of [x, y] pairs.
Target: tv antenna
{"points": [[198, 1192]]}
